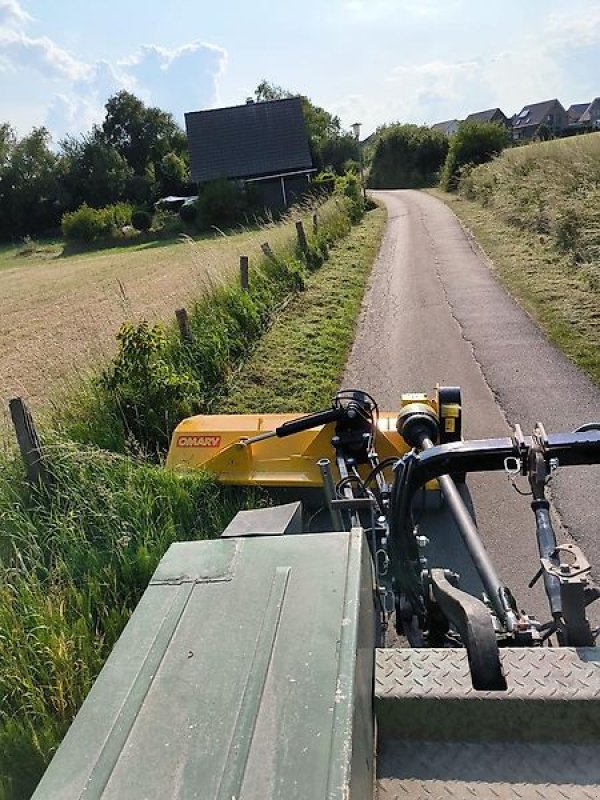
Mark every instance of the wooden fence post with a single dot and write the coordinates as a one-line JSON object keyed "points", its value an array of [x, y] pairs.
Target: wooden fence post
{"points": [[244, 273], [315, 222], [29, 443], [302, 243], [266, 248], [183, 322]]}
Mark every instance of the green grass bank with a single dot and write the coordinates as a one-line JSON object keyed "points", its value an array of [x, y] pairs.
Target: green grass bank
{"points": [[535, 211], [298, 364]]}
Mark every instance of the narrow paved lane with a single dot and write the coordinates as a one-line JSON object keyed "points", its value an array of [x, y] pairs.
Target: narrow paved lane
{"points": [[433, 313]]}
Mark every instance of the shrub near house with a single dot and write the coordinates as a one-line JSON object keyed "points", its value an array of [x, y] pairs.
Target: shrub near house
{"points": [[474, 143]]}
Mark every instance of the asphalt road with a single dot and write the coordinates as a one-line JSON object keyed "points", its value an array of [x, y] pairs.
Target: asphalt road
{"points": [[433, 313]]}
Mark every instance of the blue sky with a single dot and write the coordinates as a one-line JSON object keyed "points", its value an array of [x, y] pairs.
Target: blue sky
{"points": [[374, 61]]}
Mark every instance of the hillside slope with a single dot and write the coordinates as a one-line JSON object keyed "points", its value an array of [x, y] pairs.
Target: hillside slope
{"points": [[535, 211]]}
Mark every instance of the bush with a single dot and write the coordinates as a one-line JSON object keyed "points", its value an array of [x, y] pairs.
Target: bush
{"points": [[407, 156], [350, 187], [83, 225], [222, 203], [474, 143], [168, 223], [151, 392], [324, 182], [336, 151], [88, 224], [141, 220]]}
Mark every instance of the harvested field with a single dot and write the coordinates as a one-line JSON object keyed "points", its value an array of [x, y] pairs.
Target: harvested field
{"points": [[59, 315]]}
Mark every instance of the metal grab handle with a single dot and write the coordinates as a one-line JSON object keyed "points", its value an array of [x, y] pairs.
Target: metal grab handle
{"points": [[310, 421], [297, 425]]}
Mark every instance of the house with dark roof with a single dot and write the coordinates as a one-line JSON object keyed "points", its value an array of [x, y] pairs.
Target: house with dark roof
{"points": [[449, 126], [539, 120], [490, 115], [590, 118], [574, 113], [262, 144]]}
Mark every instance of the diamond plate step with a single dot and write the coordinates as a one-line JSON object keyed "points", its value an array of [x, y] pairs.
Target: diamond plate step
{"points": [[553, 695], [487, 771]]}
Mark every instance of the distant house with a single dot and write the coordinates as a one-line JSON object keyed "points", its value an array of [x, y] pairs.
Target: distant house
{"points": [[590, 118], [539, 120], [490, 115], [574, 113], [449, 127], [264, 144]]}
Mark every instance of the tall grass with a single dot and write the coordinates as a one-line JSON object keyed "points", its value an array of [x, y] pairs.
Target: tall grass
{"points": [[551, 189], [74, 562]]}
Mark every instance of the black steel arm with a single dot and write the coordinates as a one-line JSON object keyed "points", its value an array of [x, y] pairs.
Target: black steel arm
{"points": [[488, 455], [472, 620]]}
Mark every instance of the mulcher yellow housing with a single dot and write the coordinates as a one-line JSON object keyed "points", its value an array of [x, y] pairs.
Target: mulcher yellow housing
{"points": [[217, 444]]}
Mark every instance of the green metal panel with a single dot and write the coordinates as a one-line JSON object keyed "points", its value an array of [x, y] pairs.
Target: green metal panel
{"points": [[245, 672]]}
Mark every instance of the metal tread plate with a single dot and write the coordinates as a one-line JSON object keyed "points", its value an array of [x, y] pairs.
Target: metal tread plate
{"points": [[553, 695], [487, 771], [541, 673]]}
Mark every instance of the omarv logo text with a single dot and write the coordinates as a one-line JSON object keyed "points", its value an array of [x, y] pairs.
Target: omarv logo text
{"points": [[185, 440]]}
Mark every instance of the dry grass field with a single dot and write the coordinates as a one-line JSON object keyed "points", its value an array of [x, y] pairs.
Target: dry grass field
{"points": [[59, 315]]}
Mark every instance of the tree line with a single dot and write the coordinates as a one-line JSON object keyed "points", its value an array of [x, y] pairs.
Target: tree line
{"points": [[414, 156], [136, 155]]}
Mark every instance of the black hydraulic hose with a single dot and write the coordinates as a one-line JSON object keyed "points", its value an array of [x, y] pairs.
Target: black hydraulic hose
{"points": [[547, 545], [494, 588], [403, 550]]}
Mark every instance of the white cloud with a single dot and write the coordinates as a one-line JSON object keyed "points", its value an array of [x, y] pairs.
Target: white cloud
{"points": [[571, 29], [41, 54], [82, 105], [12, 15], [535, 66], [182, 79], [432, 91]]}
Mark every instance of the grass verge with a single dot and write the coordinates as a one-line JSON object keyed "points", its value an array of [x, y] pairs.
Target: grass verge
{"points": [[553, 289], [156, 379], [297, 365]]}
